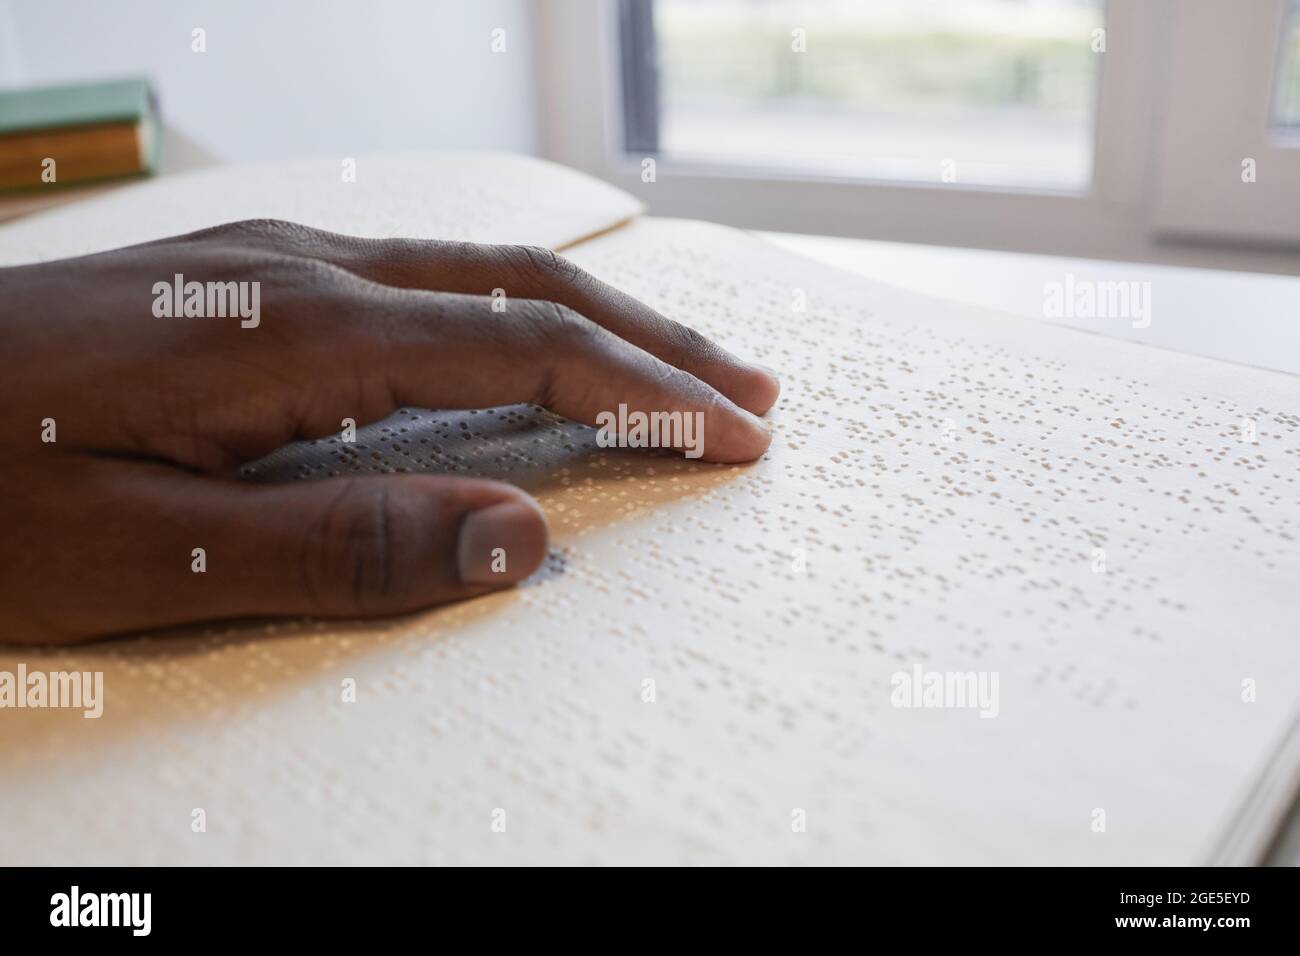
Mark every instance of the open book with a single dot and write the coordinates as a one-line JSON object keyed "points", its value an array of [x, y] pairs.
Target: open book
{"points": [[1095, 542]]}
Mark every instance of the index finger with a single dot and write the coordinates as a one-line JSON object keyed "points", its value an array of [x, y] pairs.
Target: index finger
{"points": [[527, 272]]}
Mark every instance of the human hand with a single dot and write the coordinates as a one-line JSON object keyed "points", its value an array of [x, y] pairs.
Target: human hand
{"points": [[152, 416]]}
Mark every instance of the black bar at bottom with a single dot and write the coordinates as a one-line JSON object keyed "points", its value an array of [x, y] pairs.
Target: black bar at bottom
{"points": [[331, 906]]}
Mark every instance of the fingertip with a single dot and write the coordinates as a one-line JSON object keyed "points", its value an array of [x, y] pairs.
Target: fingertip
{"points": [[767, 388], [502, 543], [759, 438], [754, 387], [746, 439]]}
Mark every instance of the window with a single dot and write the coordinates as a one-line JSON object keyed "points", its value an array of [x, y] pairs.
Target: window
{"points": [[987, 92], [1112, 129]]}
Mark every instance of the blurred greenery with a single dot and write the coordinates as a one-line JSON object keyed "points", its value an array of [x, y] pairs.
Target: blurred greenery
{"points": [[858, 68], [940, 69]]}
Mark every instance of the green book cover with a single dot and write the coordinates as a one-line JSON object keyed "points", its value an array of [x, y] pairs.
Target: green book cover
{"points": [[82, 104]]}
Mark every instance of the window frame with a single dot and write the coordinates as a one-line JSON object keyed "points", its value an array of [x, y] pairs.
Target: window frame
{"points": [[1227, 77], [583, 127]]}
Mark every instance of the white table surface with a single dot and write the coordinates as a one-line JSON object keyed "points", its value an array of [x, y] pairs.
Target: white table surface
{"points": [[1245, 317]]}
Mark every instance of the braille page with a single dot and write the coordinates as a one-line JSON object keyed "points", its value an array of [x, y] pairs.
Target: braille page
{"points": [[476, 197], [714, 664]]}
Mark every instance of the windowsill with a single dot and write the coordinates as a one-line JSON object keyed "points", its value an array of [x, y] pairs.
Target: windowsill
{"points": [[1240, 317]]}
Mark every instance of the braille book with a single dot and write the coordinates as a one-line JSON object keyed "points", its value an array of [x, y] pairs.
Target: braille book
{"points": [[1000, 592]]}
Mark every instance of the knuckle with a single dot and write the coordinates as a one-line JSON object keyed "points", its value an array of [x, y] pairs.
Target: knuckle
{"points": [[282, 235], [559, 326], [248, 230], [559, 335], [253, 237], [267, 228], [306, 273], [363, 557], [692, 342], [547, 264]]}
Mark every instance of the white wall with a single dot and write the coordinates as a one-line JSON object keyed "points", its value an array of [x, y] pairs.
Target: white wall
{"points": [[297, 77]]}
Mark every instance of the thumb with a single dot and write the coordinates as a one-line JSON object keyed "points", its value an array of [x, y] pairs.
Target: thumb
{"points": [[373, 545], [180, 548]]}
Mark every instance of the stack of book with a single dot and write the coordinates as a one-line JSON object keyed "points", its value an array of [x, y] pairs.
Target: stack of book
{"points": [[66, 135]]}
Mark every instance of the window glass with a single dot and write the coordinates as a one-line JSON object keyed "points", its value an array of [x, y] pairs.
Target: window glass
{"points": [[1286, 113], [979, 92]]}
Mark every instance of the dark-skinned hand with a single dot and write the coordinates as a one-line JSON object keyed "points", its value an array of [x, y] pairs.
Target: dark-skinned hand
{"points": [[154, 415]]}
